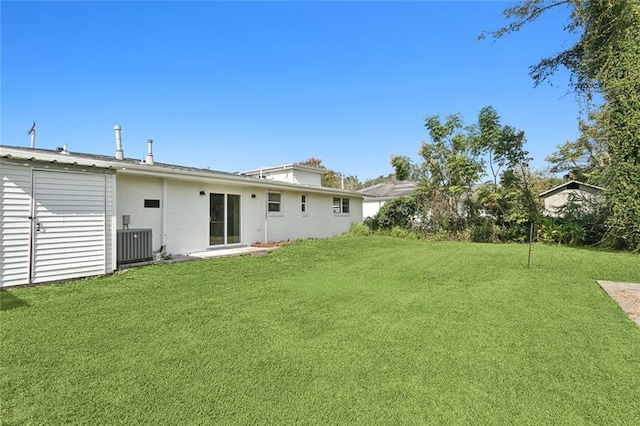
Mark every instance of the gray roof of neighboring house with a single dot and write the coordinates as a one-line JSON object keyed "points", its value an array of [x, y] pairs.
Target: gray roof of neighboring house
{"points": [[567, 184], [390, 189]]}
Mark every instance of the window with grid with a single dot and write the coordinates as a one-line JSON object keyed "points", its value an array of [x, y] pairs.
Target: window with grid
{"points": [[340, 205], [275, 202]]}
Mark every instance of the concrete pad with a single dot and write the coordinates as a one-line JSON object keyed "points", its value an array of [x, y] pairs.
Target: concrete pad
{"points": [[238, 251], [208, 254], [627, 295]]}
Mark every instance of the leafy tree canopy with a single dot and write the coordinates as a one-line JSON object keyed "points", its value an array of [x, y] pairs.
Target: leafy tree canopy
{"points": [[604, 61]]}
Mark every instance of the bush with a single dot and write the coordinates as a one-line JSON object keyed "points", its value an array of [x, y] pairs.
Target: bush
{"points": [[561, 232], [399, 212], [485, 231], [397, 232], [359, 229]]}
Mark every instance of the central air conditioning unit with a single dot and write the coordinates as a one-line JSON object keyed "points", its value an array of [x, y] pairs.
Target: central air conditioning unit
{"points": [[134, 245]]}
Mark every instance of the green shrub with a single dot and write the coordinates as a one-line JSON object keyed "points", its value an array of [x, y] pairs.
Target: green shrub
{"points": [[398, 232], [359, 229], [484, 231], [399, 212]]}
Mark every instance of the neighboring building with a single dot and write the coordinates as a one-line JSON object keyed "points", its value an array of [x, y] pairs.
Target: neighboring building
{"points": [[378, 195], [569, 192], [63, 214], [292, 173]]}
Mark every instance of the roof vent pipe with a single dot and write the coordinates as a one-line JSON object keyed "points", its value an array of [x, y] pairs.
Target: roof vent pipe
{"points": [[149, 159], [32, 133], [119, 153]]}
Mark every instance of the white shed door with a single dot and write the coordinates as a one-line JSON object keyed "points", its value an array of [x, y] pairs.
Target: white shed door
{"points": [[69, 225]]}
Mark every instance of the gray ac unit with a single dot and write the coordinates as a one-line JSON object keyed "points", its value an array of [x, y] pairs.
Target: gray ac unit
{"points": [[134, 245]]}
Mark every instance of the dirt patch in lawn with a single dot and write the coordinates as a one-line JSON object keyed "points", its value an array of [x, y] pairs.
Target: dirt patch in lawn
{"points": [[627, 295], [273, 245]]}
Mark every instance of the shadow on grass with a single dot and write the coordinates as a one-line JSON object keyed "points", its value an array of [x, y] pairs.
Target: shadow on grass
{"points": [[9, 301]]}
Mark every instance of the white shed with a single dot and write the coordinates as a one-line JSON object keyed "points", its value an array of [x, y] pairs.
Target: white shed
{"points": [[578, 193], [56, 218]]}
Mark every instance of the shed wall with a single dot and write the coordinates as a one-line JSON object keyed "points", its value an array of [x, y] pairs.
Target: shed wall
{"points": [[15, 238], [71, 234]]}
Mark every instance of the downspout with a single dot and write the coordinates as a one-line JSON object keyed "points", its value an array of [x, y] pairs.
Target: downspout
{"points": [[266, 214], [114, 223], [165, 215]]}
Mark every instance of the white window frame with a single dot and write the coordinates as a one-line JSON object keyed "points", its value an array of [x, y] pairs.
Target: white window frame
{"points": [[339, 208], [304, 204], [277, 203]]}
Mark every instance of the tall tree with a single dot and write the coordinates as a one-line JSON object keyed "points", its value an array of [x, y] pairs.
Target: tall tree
{"points": [[604, 60], [402, 166], [585, 159], [451, 167], [503, 145]]}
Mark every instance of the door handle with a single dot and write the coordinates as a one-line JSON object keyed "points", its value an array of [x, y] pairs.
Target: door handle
{"points": [[38, 227]]}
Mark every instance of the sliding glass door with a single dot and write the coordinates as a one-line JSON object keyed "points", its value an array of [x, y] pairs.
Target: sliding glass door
{"points": [[224, 219]]}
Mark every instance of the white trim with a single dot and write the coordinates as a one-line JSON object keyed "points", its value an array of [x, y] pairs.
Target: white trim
{"points": [[559, 187]]}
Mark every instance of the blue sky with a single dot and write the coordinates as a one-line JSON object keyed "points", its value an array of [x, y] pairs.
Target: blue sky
{"points": [[239, 85]]}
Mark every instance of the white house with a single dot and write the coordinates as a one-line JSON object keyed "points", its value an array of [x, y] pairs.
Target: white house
{"points": [[378, 195], [68, 215], [569, 192]]}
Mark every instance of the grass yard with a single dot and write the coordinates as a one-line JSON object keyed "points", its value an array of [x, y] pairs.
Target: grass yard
{"points": [[348, 330]]}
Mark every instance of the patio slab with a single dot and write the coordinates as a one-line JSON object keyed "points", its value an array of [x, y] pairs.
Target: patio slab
{"points": [[627, 295], [238, 251], [208, 254]]}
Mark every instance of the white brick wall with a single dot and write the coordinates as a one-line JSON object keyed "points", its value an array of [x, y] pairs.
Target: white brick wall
{"points": [[185, 228]]}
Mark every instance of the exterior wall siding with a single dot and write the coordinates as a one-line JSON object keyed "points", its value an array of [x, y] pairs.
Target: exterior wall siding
{"points": [[70, 212], [555, 201], [186, 225], [110, 224], [73, 209], [307, 178], [130, 195], [371, 208], [15, 239], [318, 222]]}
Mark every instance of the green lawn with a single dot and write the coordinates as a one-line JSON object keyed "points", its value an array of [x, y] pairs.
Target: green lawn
{"points": [[348, 330]]}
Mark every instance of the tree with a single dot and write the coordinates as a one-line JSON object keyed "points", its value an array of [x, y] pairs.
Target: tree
{"points": [[585, 159], [504, 145], [402, 166], [604, 60], [380, 179], [451, 166]]}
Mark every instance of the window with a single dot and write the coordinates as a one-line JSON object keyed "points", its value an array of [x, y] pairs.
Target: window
{"points": [[154, 204], [340, 205], [275, 201], [303, 203]]}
